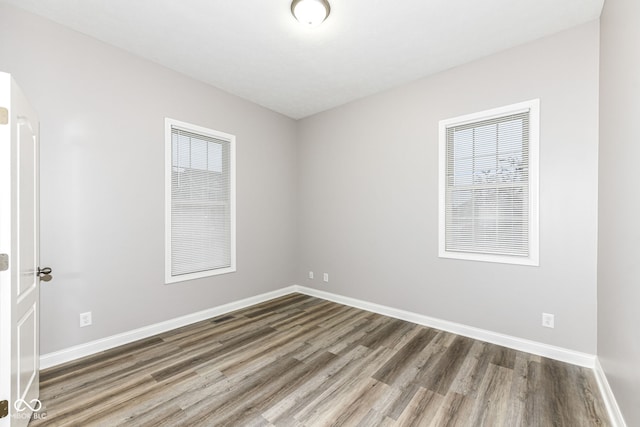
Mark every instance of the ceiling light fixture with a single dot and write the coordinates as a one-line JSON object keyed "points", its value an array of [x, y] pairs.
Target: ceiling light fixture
{"points": [[310, 12]]}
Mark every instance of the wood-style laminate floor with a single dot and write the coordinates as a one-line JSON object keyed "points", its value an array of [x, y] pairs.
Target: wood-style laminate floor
{"points": [[303, 361]]}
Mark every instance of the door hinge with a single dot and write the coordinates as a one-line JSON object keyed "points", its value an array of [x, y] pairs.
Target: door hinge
{"points": [[4, 116], [4, 408], [4, 262]]}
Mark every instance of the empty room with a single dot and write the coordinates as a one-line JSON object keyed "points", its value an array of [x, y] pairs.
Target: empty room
{"points": [[319, 213]]}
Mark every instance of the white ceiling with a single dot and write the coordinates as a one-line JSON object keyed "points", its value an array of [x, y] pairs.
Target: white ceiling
{"points": [[257, 50]]}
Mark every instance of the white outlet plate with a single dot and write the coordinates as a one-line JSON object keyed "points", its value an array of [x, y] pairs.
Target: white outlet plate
{"points": [[311, 275], [85, 319], [325, 277], [547, 320]]}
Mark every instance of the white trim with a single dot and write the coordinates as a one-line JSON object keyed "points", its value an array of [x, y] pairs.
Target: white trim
{"points": [[170, 124], [552, 352], [494, 113], [72, 353], [557, 353], [533, 107], [534, 347], [610, 402]]}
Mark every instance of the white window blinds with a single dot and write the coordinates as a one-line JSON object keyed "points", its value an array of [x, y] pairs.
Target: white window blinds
{"points": [[201, 209], [487, 192]]}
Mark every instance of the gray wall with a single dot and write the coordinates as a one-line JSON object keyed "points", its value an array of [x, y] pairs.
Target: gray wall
{"points": [[368, 195], [351, 192], [619, 227], [102, 181]]}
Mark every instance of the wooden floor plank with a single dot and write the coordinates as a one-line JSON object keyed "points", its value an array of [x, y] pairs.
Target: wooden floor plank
{"points": [[448, 364], [492, 403], [403, 357], [420, 410], [284, 411], [302, 361]]}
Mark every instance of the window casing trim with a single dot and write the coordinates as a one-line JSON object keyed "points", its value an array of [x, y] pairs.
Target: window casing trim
{"points": [[533, 107], [231, 139]]}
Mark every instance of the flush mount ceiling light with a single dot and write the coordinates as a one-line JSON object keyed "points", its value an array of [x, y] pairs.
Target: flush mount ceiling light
{"points": [[310, 12]]}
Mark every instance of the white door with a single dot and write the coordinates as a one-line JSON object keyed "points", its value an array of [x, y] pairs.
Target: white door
{"points": [[19, 258]]}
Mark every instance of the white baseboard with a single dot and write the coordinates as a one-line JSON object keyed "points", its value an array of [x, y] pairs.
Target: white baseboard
{"points": [[72, 353], [607, 395], [552, 352], [82, 350], [533, 347], [545, 350]]}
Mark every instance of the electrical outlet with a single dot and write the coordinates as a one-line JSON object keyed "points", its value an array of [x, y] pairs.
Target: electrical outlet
{"points": [[547, 320], [311, 275], [325, 277], [85, 319]]}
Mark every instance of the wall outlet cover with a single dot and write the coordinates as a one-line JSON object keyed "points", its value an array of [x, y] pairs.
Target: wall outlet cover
{"points": [[85, 319], [547, 320]]}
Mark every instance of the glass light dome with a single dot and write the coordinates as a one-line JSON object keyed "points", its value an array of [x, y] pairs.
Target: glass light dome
{"points": [[310, 12]]}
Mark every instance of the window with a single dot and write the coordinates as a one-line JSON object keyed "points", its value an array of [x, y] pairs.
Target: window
{"points": [[200, 202], [489, 185]]}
